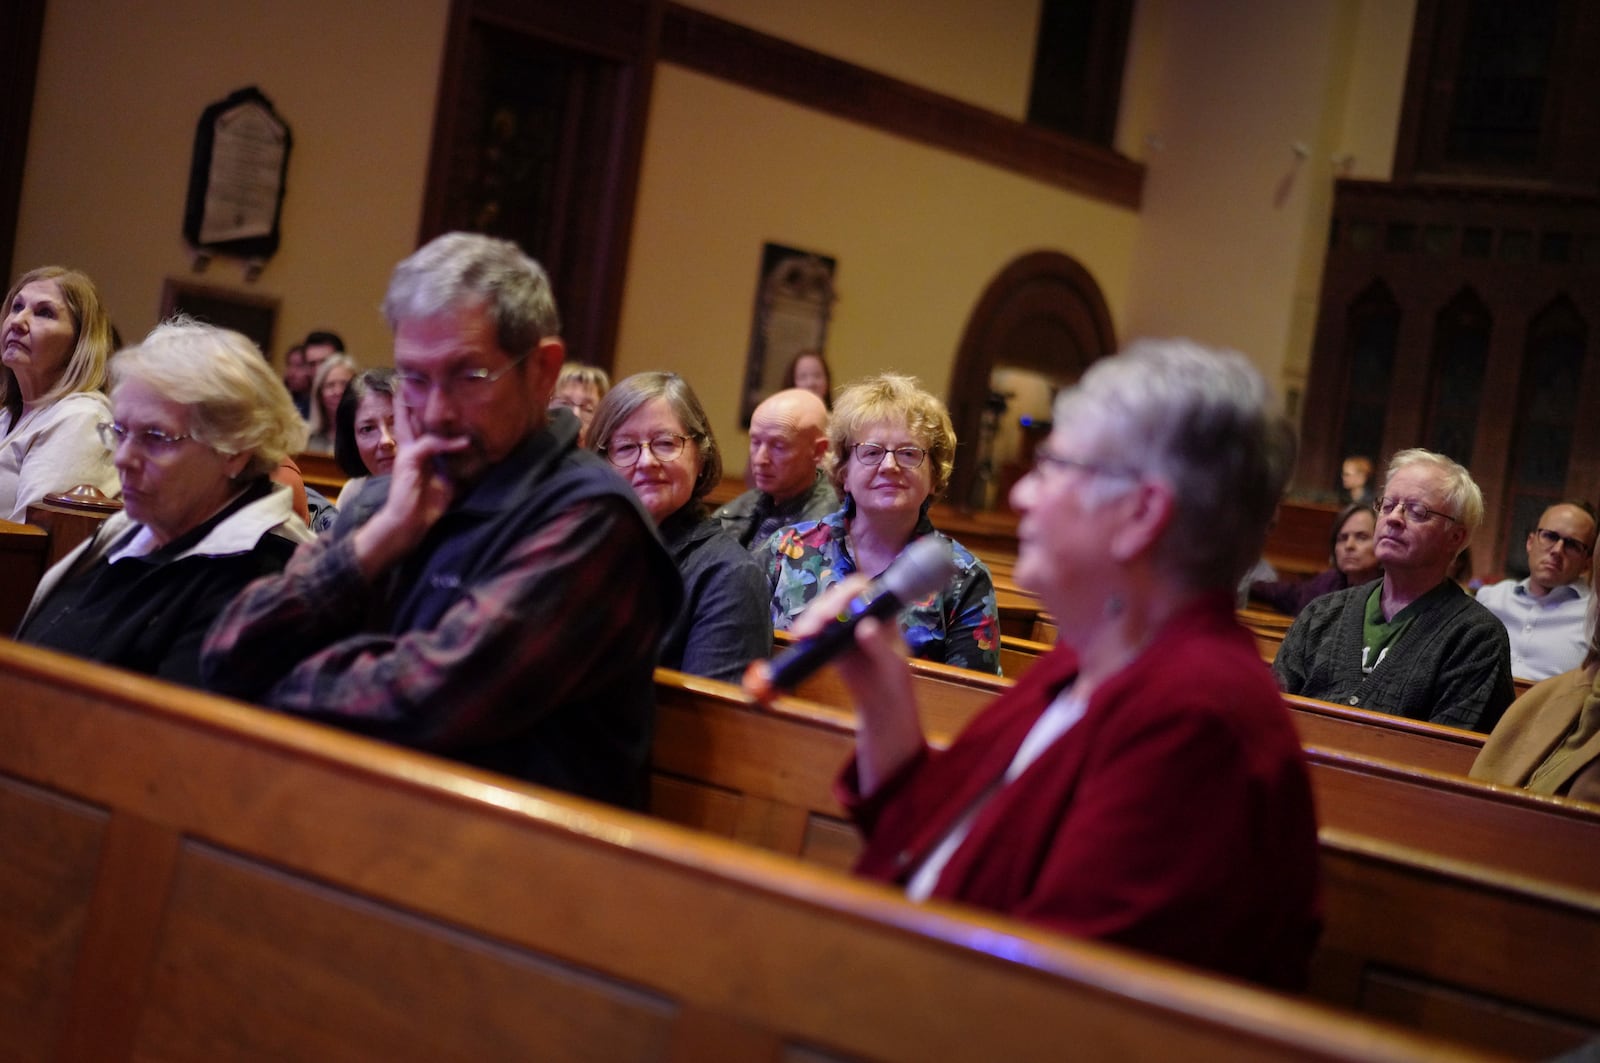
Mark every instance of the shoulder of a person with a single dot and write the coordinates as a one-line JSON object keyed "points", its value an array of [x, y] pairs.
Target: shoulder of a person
{"points": [[738, 506], [1495, 592], [1326, 608], [965, 559], [88, 406]]}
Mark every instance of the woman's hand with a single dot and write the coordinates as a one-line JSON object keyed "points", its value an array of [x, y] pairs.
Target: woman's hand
{"points": [[890, 731]]}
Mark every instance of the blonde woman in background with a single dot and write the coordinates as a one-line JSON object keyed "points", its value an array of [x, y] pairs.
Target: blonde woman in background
{"points": [[54, 343]]}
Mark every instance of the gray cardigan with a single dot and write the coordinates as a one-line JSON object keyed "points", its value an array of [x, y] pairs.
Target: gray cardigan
{"points": [[1452, 666]]}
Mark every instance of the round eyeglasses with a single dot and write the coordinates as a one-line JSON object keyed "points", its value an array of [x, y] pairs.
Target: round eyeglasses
{"points": [[874, 453], [1415, 512], [662, 448]]}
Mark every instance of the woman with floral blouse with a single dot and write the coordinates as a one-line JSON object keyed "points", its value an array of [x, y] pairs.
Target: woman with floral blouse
{"points": [[892, 449]]}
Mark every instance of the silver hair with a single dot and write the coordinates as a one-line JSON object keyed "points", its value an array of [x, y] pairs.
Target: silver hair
{"points": [[236, 402], [457, 270], [1460, 489], [1204, 421]]}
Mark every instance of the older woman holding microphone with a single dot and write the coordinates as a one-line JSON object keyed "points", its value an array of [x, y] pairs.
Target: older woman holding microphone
{"points": [[1142, 784], [198, 421], [54, 341], [892, 450]]}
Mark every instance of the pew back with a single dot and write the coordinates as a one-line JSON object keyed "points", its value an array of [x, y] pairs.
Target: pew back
{"points": [[1394, 852], [188, 878], [23, 551]]}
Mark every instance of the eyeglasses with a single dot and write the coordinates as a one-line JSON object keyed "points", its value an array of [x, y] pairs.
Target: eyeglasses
{"points": [[1572, 547], [662, 448], [572, 404], [874, 453], [148, 440], [1043, 459], [466, 386], [1415, 512]]}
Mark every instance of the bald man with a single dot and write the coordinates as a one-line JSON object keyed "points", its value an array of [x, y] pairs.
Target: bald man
{"points": [[788, 442], [1547, 614]]}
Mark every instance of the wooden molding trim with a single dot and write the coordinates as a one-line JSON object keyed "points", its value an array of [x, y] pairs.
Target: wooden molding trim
{"points": [[710, 45], [19, 67]]}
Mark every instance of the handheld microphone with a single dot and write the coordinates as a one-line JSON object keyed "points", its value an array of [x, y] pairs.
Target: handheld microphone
{"points": [[920, 570]]}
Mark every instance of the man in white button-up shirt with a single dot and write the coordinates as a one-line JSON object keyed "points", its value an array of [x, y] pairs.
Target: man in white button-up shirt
{"points": [[1546, 614]]}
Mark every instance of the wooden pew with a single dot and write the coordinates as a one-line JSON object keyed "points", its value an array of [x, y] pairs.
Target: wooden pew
{"points": [[319, 470], [1447, 863], [191, 878], [949, 697], [1017, 655], [71, 518], [23, 551], [1381, 736]]}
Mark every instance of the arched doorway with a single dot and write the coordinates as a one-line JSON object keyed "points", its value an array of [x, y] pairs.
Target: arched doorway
{"points": [[1038, 325]]}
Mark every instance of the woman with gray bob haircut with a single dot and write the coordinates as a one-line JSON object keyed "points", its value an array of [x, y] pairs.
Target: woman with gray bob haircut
{"points": [[653, 430], [1200, 421], [199, 420], [1142, 783]]}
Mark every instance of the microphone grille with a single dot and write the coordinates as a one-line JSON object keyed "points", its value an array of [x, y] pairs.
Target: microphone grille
{"points": [[921, 569]]}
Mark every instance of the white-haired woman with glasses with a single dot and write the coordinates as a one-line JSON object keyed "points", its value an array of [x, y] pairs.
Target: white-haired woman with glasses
{"points": [[892, 449], [1142, 783], [652, 428], [199, 420]]}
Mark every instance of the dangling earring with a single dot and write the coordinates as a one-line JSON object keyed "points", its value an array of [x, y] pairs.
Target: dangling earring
{"points": [[849, 506], [922, 513], [1113, 607]]}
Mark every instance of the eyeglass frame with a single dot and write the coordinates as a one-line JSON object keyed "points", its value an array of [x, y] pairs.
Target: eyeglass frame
{"points": [[1383, 506], [148, 440], [476, 381], [1569, 546], [1042, 458], [575, 407], [639, 448], [900, 462]]}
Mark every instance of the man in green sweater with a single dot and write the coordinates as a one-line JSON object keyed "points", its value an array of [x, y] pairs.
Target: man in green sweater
{"points": [[1413, 643]]}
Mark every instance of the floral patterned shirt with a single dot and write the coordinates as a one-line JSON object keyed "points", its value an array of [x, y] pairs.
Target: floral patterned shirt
{"points": [[960, 625]]}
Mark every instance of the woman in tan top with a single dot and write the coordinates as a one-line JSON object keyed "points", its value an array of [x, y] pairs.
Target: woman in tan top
{"points": [[1549, 739]]}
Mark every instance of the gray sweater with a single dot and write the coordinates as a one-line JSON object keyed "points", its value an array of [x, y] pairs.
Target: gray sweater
{"points": [[1452, 666]]}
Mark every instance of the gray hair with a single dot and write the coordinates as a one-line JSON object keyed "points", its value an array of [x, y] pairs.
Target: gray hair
{"points": [[1460, 490], [236, 402], [622, 401], [462, 269], [1204, 421]]}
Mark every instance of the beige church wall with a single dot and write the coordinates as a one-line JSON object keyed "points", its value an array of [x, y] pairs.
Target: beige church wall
{"points": [[979, 53], [120, 89], [918, 234], [1245, 111]]}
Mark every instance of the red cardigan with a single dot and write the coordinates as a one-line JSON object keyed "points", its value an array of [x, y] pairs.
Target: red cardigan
{"points": [[1174, 817]]}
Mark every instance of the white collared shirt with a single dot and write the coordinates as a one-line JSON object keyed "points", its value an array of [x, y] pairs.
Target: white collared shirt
{"points": [[1549, 635]]}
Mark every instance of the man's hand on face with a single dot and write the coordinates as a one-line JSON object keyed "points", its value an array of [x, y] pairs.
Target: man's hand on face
{"points": [[420, 490]]}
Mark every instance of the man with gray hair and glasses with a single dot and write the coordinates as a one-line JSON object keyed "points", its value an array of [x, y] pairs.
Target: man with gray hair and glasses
{"points": [[1547, 614], [499, 597], [1412, 643]]}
